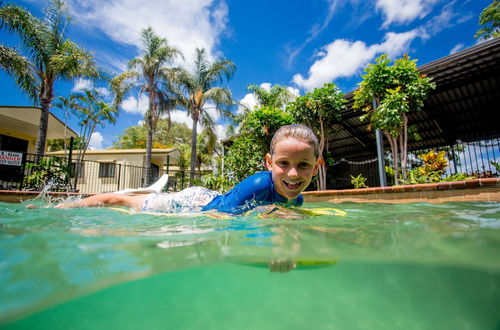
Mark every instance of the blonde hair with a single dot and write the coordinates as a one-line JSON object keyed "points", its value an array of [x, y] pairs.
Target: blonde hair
{"points": [[298, 132]]}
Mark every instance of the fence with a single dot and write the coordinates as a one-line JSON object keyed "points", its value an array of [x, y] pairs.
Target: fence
{"points": [[471, 158], [37, 172]]}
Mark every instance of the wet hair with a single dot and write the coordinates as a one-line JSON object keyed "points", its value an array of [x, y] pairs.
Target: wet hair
{"points": [[298, 132]]}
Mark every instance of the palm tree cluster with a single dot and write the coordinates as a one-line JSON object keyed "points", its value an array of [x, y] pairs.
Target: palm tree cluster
{"points": [[51, 56], [194, 90]]}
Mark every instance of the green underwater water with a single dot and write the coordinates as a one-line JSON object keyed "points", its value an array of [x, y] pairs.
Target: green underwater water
{"points": [[381, 266]]}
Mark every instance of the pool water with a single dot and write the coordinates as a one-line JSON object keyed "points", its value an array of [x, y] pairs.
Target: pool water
{"points": [[381, 266]]}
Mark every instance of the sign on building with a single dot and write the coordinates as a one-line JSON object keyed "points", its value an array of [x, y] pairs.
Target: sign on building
{"points": [[11, 158]]}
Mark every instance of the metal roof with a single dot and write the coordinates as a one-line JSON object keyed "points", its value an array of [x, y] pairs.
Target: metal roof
{"points": [[464, 106]]}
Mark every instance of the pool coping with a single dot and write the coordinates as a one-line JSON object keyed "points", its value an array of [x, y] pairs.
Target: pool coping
{"points": [[17, 196], [484, 189]]}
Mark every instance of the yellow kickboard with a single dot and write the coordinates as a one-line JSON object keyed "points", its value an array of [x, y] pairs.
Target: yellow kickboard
{"points": [[219, 215]]}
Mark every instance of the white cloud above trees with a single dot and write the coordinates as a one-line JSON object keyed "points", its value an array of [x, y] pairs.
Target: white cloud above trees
{"points": [[344, 58], [186, 24]]}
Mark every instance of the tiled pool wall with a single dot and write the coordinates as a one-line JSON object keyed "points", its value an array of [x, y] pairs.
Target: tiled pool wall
{"points": [[487, 189]]}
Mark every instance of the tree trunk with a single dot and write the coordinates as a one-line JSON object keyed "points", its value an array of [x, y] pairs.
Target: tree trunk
{"points": [[322, 167], [193, 149], [404, 146], [42, 128], [394, 150], [149, 147]]}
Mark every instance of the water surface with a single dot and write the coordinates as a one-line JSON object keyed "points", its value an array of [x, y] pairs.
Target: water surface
{"points": [[417, 266]]}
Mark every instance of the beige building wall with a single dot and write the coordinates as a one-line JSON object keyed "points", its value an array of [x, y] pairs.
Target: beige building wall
{"points": [[128, 168], [22, 123]]}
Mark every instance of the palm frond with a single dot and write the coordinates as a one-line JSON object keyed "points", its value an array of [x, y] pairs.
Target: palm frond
{"points": [[31, 31], [121, 84], [71, 61], [20, 67]]}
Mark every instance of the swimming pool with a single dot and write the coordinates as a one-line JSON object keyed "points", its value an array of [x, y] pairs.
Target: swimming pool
{"points": [[381, 266]]}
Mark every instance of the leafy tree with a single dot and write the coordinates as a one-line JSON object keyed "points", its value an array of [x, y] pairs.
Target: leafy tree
{"points": [[197, 88], [166, 136], [490, 22], [246, 155], [395, 90], [49, 56], [149, 74], [63, 144], [319, 109]]}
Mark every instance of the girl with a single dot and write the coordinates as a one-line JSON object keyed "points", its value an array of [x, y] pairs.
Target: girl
{"points": [[291, 163]]}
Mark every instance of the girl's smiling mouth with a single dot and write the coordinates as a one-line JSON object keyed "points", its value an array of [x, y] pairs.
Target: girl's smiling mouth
{"points": [[292, 186]]}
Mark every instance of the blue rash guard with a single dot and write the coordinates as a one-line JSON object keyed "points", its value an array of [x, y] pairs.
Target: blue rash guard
{"points": [[256, 190]]}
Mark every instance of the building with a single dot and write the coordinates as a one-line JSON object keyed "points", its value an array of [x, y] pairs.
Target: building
{"points": [[115, 169], [18, 135]]}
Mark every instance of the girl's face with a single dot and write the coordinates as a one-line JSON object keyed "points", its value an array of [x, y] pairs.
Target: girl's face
{"points": [[293, 165]]}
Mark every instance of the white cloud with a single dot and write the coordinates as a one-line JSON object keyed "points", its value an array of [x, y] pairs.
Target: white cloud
{"points": [[131, 105], [266, 86], [248, 101], [457, 48], [186, 24], [96, 141], [220, 131], [81, 85], [294, 91], [103, 91], [180, 116], [403, 11], [343, 58]]}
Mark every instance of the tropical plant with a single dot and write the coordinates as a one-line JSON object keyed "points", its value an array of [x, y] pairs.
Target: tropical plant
{"points": [[246, 155], [434, 162], [358, 181], [49, 56], [217, 182], [150, 75], [496, 165], [319, 109], [51, 174], [386, 95], [197, 88], [490, 22]]}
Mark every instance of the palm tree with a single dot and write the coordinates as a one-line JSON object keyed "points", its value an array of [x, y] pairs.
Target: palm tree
{"points": [[197, 88], [149, 74], [92, 111], [50, 57], [276, 97], [66, 105]]}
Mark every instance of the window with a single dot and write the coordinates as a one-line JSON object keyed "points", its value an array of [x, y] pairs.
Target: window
{"points": [[77, 166], [107, 170]]}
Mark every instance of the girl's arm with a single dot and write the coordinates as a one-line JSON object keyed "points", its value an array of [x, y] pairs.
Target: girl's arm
{"points": [[111, 199]]}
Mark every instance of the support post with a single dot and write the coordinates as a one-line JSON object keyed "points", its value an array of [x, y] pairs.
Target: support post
{"points": [[380, 153], [381, 160]]}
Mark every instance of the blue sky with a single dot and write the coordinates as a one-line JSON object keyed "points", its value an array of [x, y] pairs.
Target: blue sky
{"points": [[296, 43]]}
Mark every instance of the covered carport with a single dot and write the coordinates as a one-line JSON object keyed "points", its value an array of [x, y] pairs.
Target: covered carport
{"points": [[464, 108]]}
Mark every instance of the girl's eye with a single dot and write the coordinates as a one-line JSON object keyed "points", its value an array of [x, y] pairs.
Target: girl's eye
{"points": [[304, 165], [282, 163]]}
